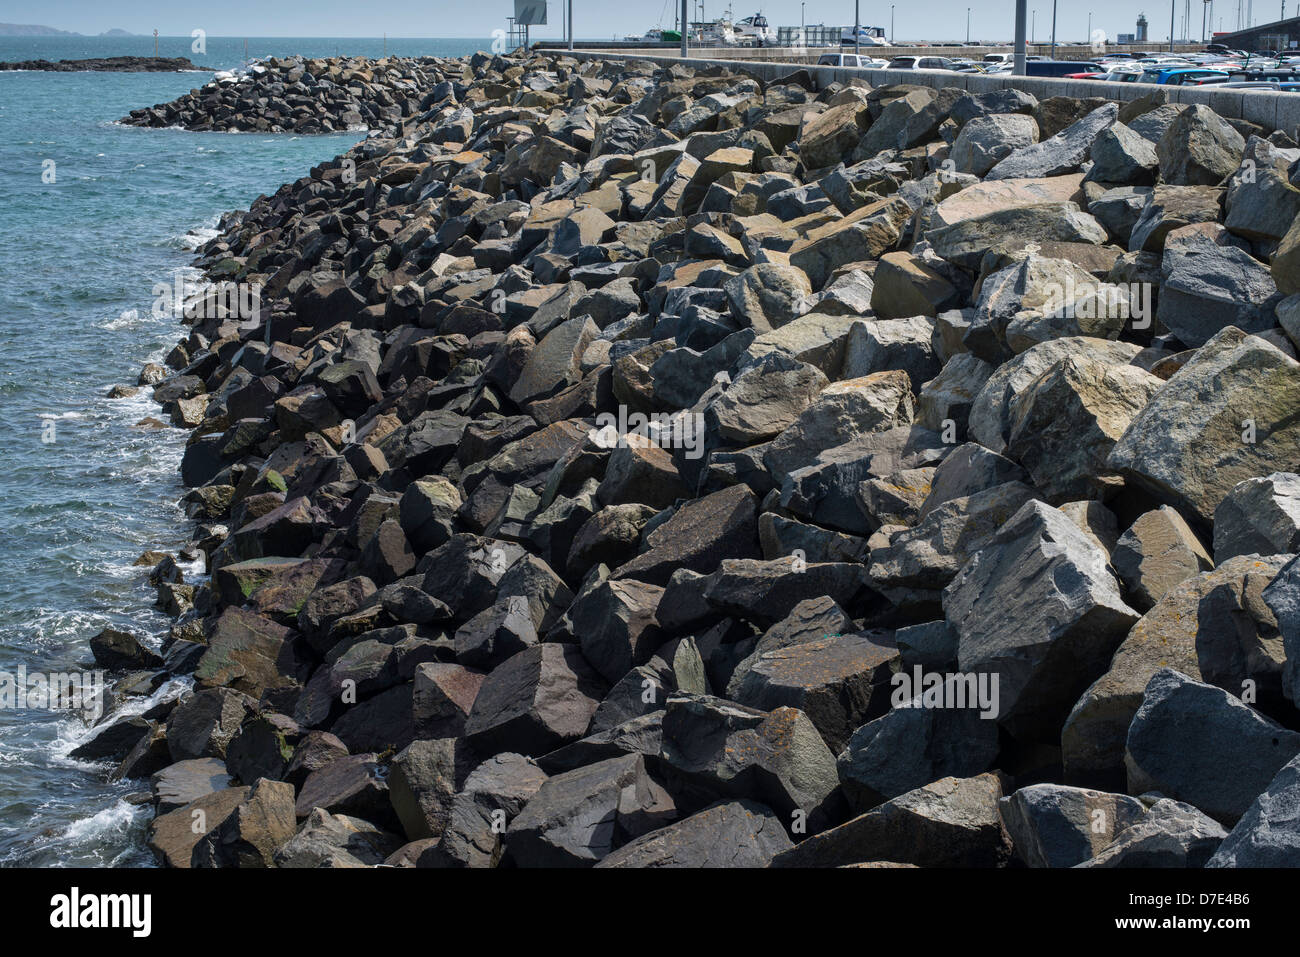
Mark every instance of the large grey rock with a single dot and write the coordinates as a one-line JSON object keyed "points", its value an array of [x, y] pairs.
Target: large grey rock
{"points": [[249, 837], [337, 840], [493, 794], [1282, 596], [1199, 148], [828, 491], [698, 536], [1214, 626], [888, 129], [836, 680], [964, 243], [842, 412], [1053, 825], [764, 400], [1158, 551], [1118, 210], [884, 344], [1066, 422], [768, 295], [1062, 153], [1171, 834], [776, 757], [986, 140], [1027, 290], [1122, 157], [727, 834], [1268, 834], [1210, 287], [991, 411], [915, 744], [577, 818], [555, 361], [1260, 516], [534, 702], [421, 784], [1172, 207], [1229, 414], [945, 401], [616, 625], [952, 822], [1263, 205], [929, 556], [178, 784], [1039, 607], [1196, 743]]}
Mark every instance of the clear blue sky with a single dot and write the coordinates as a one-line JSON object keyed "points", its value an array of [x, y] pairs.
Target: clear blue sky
{"points": [[930, 20]]}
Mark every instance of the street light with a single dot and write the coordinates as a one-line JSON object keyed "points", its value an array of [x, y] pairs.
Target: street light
{"points": [[857, 25], [570, 24], [1019, 67], [1173, 5], [891, 23], [968, 26], [1053, 29]]}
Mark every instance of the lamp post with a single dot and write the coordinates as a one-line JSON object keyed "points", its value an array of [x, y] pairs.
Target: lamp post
{"points": [[570, 24], [1053, 29], [968, 26], [857, 25], [1019, 67], [891, 23], [684, 2], [1173, 5]]}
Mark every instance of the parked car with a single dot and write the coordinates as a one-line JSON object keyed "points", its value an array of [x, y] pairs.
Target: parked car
{"points": [[1285, 86], [920, 63], [1060, 68], [859, 61], [1180, 76]]}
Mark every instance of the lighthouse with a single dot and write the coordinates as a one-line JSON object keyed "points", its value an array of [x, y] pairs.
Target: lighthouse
{"points": [[1142, 28]]}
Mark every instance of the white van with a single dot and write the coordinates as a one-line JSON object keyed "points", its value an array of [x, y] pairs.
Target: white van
{"points": [[851, 59]]}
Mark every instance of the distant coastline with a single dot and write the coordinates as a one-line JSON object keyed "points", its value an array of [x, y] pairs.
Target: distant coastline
{"points": [[39, 30]]}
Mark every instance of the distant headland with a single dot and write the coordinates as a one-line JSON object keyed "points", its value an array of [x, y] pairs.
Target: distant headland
{"points": [[37, 30]]}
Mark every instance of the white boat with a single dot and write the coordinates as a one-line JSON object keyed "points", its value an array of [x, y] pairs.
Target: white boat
{"points": [[867, 37], [651, 36], [718, 33], [755, 28]]}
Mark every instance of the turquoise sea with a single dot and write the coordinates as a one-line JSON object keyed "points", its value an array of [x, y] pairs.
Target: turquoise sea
{"points": [[79, 256]]}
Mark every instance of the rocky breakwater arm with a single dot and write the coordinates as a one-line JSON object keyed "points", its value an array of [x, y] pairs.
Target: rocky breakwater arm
{"points": [[110, 64], [298, 95], [639, 467]]}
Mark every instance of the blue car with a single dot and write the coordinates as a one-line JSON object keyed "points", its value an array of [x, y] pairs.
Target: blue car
{"points": [[1180, 76]]}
